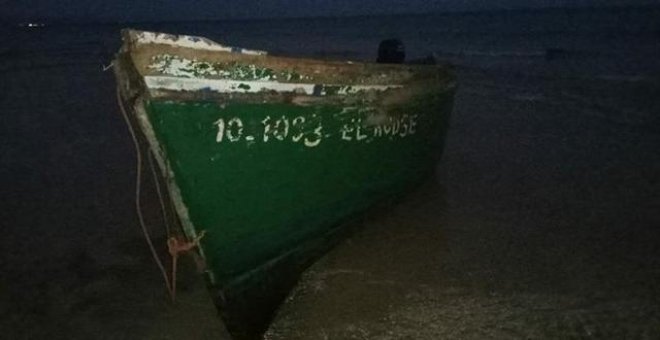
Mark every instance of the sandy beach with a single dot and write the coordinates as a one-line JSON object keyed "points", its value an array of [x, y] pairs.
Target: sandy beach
{"points": [[541, 222]]}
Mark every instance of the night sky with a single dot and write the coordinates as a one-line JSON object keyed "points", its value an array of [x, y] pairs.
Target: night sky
{"points": [[137, 10]]}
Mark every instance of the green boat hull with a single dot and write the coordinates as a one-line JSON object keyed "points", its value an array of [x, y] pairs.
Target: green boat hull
{"points": [[272, 181]]}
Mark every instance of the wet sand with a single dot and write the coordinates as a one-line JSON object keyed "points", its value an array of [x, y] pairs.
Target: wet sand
{"points": [[542, 222]]}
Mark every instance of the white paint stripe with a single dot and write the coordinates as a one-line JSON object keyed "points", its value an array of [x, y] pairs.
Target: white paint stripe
{"points": [[241, 86]]}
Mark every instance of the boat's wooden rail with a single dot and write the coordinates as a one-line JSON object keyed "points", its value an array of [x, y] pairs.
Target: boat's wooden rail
{"points": [[144, 53]]}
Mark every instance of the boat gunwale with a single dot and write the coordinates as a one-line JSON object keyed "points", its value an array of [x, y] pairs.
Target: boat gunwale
{"points": [[326, 72]]}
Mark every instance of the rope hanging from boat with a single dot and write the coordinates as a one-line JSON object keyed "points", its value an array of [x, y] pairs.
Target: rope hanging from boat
{"points": [[175, 245], [160, 195], [138, 188]]}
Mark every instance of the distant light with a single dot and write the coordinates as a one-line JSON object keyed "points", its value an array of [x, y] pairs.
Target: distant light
{"points": [[32, 24]]}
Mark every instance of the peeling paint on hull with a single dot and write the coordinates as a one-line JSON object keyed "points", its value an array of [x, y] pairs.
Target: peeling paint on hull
{"points": [[230, 86], [271, 168], [189, 41], [182, 67]]}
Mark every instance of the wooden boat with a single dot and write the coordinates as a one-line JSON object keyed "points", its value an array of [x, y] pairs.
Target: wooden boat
{"points": [[270, 156]]}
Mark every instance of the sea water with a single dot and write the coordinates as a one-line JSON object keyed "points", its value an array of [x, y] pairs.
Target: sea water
{"points": [[607, 43]]}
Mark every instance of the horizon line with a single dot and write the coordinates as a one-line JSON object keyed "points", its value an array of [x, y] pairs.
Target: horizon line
{"points": [[82, 21]]}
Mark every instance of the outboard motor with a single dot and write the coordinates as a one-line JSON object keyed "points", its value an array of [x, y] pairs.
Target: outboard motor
{"points": [[391, 51]]}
